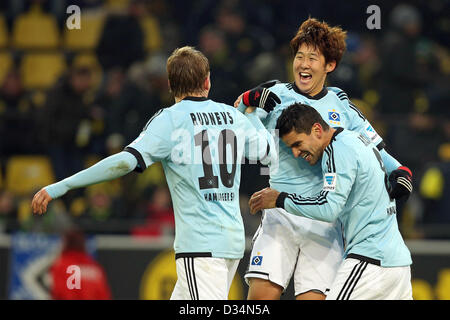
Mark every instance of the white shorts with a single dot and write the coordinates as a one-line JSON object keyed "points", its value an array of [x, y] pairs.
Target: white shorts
{"points": [[203, 278], [361, 280], [286, 245]]}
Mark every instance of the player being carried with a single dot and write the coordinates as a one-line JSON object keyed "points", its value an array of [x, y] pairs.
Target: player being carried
{"points": [[285, 244], [200, 144], [355, 190]]}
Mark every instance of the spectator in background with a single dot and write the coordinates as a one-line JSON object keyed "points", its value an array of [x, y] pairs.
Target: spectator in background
{"points": [[65, 121], [127, 106], [401, 74], [122, 40], [16, 117], [155, 74], [406, 72], [8, 210], [93, 284], [245, 41], [102, 209], [267, 65], [213, 43], [160, 217], [347, 75]]}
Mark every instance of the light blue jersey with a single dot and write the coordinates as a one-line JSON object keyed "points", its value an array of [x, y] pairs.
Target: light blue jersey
{"points": [[354, 190], [201, 144], [294, 175]]}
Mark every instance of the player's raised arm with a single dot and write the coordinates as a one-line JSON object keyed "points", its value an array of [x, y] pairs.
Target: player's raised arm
{"points": [[258, 97], [110, 168]]}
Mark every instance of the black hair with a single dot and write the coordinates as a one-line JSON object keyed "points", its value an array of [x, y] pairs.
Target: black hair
{"points": [[300, 117]]}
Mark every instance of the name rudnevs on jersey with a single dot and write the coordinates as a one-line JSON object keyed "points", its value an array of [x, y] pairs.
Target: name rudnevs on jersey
{"points": [[211, 118]]}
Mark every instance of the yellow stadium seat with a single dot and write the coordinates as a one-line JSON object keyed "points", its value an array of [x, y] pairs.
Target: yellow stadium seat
{"points": [[26, 174], [6, 62], [41, 70], [4, 34], [87, 37], [117, 4], [152, 33], [35, 30]]}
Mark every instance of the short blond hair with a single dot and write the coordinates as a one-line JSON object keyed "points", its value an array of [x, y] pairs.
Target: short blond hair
{"points": [[187, 69]]}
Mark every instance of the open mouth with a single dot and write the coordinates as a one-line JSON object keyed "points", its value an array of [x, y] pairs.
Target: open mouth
{"points": [[305, 77], [306, 155]]}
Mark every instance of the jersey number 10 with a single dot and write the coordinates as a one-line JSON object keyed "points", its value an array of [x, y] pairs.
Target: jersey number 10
{"points": [[209, 180]]}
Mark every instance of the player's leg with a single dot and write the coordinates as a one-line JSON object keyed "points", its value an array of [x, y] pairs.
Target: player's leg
{"points": [[321, 254], [181, 290], [273, 257], [213, 277], [363, 280], [232, 265], [261, 289], [311, 295], [201, 278], [402, 290]]}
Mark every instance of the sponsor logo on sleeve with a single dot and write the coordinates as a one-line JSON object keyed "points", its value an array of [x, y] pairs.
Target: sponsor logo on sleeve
{"points": [[371, 133], [329, 182]]}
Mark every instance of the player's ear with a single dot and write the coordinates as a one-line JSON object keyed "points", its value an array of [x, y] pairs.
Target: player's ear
{"points": [[207, 83], [317, 129], [330, 66]]}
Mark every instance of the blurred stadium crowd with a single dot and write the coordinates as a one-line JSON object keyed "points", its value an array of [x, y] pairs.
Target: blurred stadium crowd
{"points": [[71, 97]]}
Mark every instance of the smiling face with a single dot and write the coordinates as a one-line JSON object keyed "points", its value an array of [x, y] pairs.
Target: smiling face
{"points": [[310, 69], [309, 147]]}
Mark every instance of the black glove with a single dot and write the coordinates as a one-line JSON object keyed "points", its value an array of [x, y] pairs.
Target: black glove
{"points": [[261, 97], [401, 183]]}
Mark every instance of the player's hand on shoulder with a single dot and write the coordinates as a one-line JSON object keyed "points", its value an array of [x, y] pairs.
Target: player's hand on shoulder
{"points": [[260, 96], [401, 183], [40, 201]]}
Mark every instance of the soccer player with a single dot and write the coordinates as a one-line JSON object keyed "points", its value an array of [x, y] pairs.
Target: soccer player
{"points": [[284, 244], [355, 191], [200, 144]]}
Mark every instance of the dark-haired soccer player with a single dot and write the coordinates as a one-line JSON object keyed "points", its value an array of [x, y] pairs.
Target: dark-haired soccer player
{"points": [[285, 244], [376, 261], [200, 144]]}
